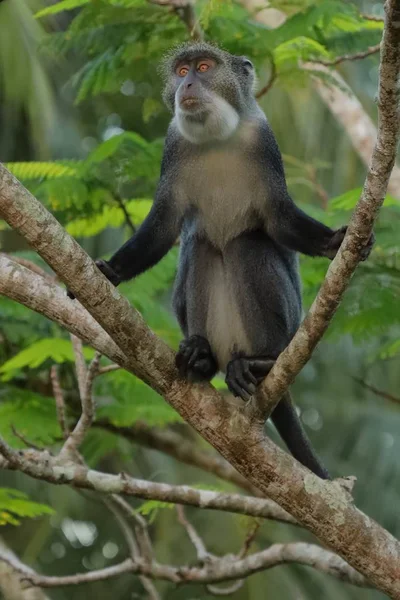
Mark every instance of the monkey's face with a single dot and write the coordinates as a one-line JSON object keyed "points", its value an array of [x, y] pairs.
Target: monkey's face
{"points": [[196, 73], [208, 90], [193, 79]]}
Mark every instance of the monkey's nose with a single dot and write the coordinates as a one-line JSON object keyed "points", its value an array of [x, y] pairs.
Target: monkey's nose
{"points": [[188, 85]]}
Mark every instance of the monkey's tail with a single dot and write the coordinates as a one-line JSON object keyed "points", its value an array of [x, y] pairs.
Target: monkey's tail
{"points": [[288, 424]]}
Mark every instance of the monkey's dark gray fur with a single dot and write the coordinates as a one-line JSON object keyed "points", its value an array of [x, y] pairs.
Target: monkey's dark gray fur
{"points": [[222, 188]]}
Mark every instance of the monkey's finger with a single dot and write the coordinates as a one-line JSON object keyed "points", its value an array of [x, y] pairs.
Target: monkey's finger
{"points": [[245, 385], [194, 355], [247, 373], [181, 364], [236, 390], [261, 366]]}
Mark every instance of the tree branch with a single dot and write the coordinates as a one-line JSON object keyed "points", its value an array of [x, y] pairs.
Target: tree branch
{"points": [[77, 436], [356, 56], [323, 506], [374, 390], [59, 398], [218, 571], [38, 465], [296, 355]]}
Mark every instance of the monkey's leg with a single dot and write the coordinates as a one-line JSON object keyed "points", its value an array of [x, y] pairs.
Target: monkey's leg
{"points": [[195, 360], [243, 375]]}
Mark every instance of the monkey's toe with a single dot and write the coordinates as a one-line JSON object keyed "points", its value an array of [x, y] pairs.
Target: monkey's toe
{"points": [[195, 360], [367, 249], [243, 375]]}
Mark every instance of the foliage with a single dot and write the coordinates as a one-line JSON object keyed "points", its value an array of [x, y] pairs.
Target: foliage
{"points": [[29, 414], [56, 350], [15, 505], [150, 508]]}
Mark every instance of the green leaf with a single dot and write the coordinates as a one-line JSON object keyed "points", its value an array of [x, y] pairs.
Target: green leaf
{"points": [[32, 415], [150, 508], [43, 170], [348, 200], [54, 9], [14, 503], [127, 399], [57, 349], [111, 216]]}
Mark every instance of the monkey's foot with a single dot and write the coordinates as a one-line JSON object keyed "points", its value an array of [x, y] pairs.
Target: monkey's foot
{"points": [[337, 240], [243, 375], [195, 360]]}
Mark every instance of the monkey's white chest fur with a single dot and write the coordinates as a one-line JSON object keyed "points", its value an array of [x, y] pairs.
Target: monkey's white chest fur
{"points": [[224, 325], [217, 185]]}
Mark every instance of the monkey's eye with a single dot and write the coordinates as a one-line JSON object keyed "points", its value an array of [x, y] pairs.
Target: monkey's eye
{"points": [[182, 71], [202, 67]]}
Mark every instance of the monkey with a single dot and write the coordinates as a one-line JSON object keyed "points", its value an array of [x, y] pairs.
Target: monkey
{"points": [[222, 189]]}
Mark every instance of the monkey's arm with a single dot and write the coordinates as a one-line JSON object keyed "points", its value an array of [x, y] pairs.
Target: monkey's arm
{"points": [[290, 226], [285, 222], [154, 238]]}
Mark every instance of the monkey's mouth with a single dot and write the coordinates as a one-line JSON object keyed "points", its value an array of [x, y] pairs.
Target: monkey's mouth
{"points": [[189, 102]]}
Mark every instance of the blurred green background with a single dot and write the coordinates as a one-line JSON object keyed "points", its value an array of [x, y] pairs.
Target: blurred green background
{"points": [[82, 126]]}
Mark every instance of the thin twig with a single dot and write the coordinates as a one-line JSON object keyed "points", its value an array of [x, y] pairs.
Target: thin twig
{"points": [[77, 436], [373, 18], [80, 364], [59, 398], [186, 12], [249, 539], [376, 391], [226, 591], [203, 555], [339, 59], [108, 369], [272, 78], [122, 206], [132, 545], [141, 529], [25, 440]]}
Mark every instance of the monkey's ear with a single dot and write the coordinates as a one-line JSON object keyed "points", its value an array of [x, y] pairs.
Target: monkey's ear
{"points": [[247, 64]]}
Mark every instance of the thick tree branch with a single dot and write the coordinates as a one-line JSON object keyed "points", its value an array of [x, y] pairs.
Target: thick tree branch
{"points": [[40, 466]]}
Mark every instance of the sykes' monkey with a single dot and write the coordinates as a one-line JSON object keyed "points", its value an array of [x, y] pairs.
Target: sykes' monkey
{"points": [[222, 189]]}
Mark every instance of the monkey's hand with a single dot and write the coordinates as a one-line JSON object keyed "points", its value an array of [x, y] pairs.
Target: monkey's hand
{"points": [[107, 271], [337, 239]]}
